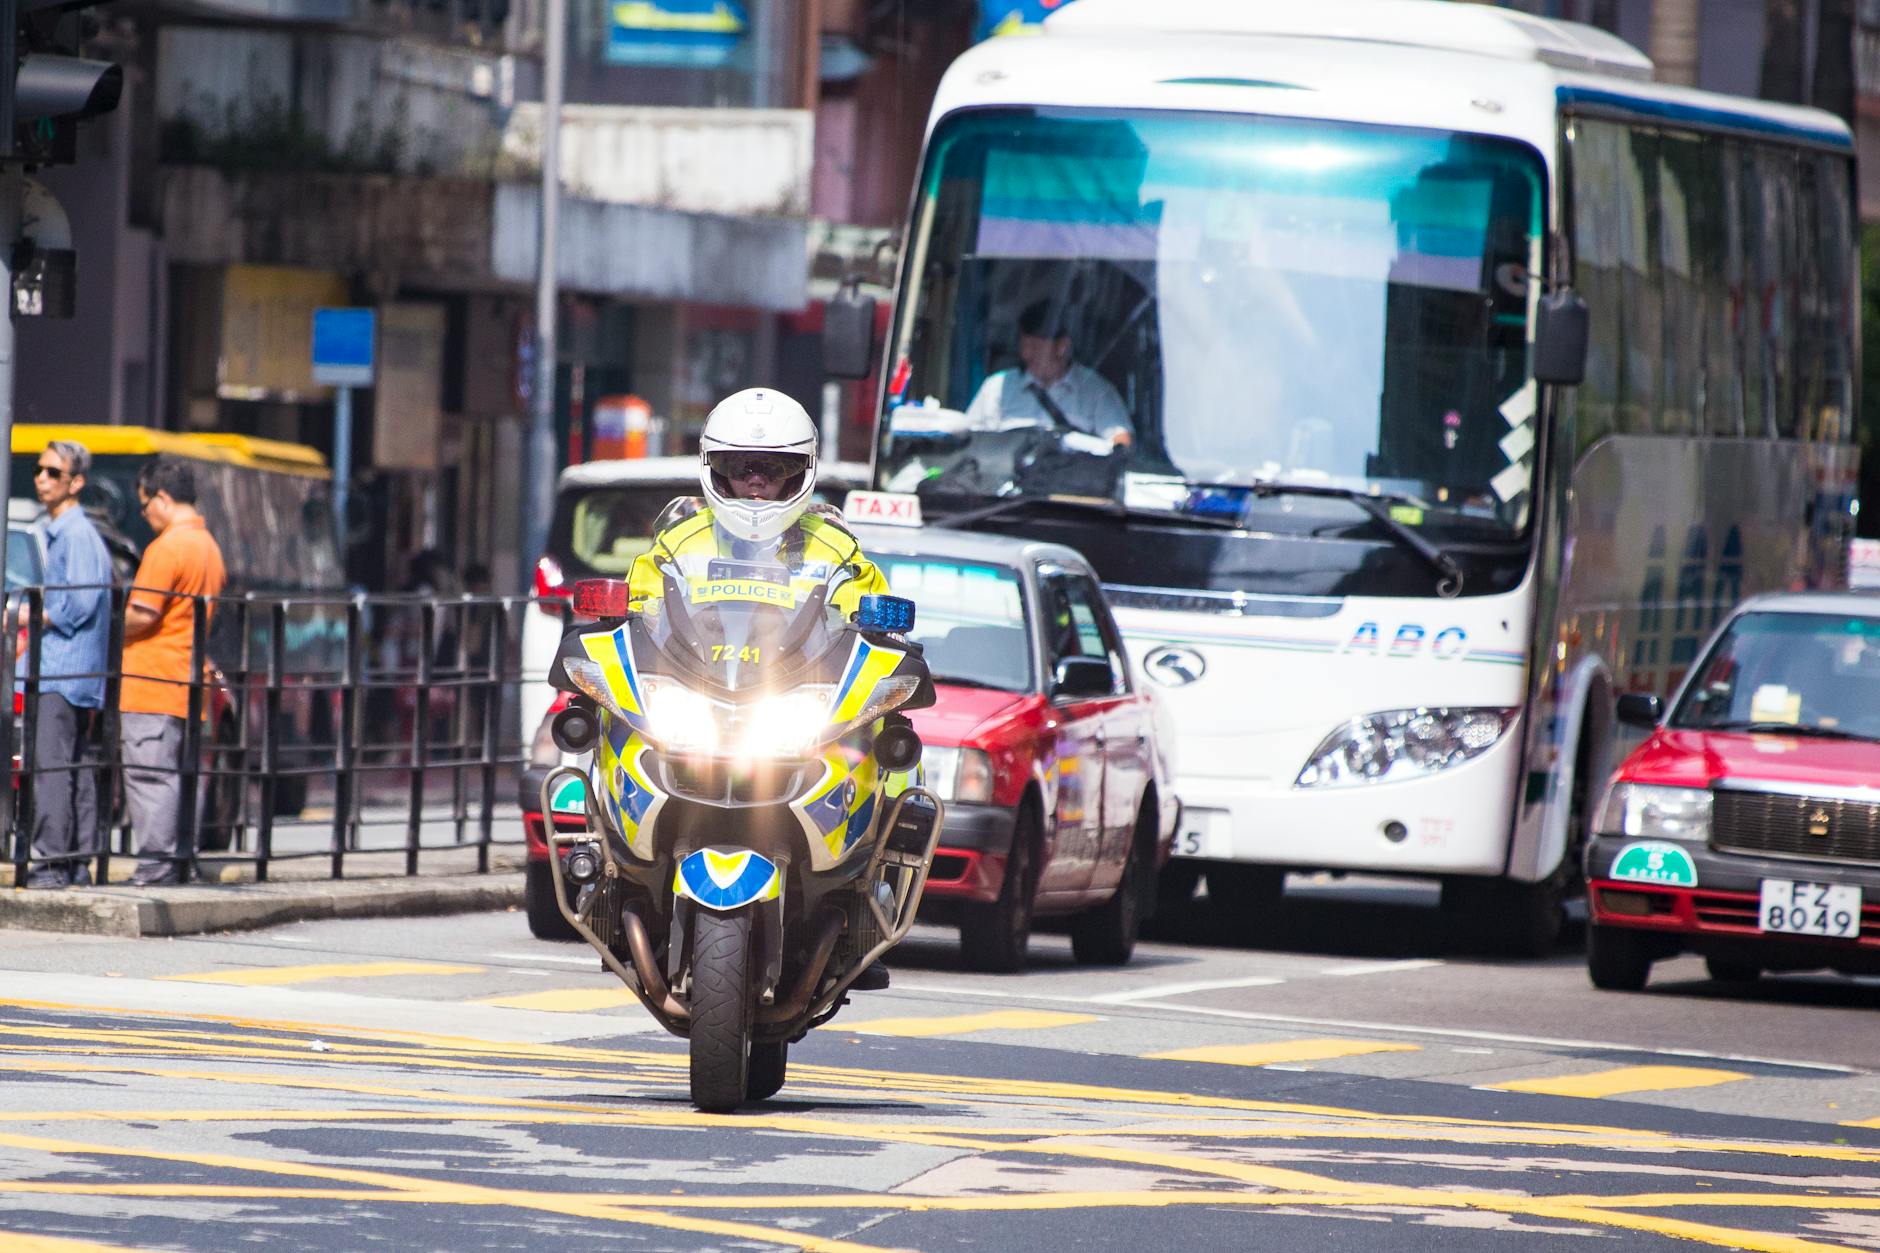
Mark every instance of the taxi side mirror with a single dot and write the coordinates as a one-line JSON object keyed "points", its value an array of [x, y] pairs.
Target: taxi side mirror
{"points": [[1082, 677], [1638, 709]]}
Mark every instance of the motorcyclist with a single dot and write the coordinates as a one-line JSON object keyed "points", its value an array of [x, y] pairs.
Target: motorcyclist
{"points": [[757, 465]]}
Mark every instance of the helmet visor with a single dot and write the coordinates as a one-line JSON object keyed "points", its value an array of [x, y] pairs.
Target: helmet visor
{"points": [[744, 474]]}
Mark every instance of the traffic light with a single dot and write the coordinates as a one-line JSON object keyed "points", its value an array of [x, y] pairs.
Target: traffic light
{"points": [[51, 86]]}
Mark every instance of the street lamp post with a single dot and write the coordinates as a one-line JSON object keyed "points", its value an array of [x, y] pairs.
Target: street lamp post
{"points": [[538, 499]]}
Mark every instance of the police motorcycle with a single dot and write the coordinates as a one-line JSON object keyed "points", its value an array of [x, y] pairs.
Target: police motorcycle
{"points": [[756, 833]]}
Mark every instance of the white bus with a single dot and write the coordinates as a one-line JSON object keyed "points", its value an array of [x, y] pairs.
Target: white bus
{"points": [[1387, 580]]}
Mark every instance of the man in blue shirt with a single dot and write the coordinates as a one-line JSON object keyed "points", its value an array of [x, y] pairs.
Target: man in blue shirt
{"points": [[74, 643]]}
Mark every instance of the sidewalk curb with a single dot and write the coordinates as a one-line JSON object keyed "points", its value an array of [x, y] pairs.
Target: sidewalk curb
{"points": [[137, 912]]}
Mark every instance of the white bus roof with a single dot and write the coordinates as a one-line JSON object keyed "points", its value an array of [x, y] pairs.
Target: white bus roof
{"points": [[1441, 24], [1428, 64]]}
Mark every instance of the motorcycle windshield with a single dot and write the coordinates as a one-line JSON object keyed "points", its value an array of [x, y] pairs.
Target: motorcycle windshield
{"points": [[748, 625]]}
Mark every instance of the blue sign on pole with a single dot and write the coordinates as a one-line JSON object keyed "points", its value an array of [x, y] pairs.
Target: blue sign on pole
{"points": [[344, 341], [691, 34]]}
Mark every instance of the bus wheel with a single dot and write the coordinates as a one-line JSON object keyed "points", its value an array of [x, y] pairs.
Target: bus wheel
{"points": [[1513, 919], [1242, 892]]}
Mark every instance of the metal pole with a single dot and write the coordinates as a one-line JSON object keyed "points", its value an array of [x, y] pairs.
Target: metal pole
{"points": [[11, 192], [538, 497], [342, 466]]}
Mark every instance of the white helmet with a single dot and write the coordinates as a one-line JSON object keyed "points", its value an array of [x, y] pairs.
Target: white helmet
{"points": [[758, 434]]}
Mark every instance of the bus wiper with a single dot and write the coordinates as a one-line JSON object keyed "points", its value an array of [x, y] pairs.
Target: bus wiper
{"points": [[1812, 730], [1377, 504], [1084, 504]]}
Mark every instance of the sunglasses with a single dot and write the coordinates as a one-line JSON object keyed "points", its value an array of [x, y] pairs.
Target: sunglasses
{"points": [[769, 465], [52, 472]]}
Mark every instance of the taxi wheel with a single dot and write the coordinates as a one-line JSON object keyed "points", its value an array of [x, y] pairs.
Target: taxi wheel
{"points": [[545, 920], [1722, 970], [995, 935], [1618, 960], [1106, 935]]}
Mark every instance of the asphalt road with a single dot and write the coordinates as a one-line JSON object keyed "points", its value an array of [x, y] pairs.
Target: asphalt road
{"points": [[1345, 1075]]}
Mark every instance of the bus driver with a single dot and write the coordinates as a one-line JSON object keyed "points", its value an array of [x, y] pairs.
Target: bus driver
{"points": [[1051, 389]]}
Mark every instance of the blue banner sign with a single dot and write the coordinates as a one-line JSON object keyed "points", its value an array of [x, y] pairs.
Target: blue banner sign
{"points": [[1014, 17], [689, 34]]}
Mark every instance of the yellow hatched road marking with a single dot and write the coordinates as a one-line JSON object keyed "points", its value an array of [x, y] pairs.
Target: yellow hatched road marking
{"points": [[275, 976], [960, 1024], [1281, 1051], [1623, 1080], [566, 1000]]}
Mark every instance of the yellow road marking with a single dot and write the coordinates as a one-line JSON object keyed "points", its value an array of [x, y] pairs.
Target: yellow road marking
{"points": [[1623, 1080], [26, 1242], [960, 1024], [278, 976], [1282, 1051], [567, 1000]]}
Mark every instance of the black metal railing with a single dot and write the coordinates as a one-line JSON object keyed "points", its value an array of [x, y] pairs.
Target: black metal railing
{"points": [[316, 728]]}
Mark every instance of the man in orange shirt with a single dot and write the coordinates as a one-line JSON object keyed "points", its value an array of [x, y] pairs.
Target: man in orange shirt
{"points": [[182, 562]]}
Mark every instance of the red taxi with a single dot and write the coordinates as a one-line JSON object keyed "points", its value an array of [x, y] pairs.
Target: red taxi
{"points": [[1746, 828], [1042, 743]]}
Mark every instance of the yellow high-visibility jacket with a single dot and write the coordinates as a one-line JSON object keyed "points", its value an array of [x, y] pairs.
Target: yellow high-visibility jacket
{"points": [[814, 545]]}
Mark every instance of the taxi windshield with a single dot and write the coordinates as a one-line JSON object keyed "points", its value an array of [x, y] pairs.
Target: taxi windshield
{"points": [[1795, 673], [971, 622]]}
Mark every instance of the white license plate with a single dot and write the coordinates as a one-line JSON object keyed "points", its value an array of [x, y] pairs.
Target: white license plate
{"points": [[1796, 908], [1205, 833]]}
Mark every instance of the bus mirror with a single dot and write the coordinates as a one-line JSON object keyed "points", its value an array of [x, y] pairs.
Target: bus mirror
{"points": [[1560, 335], [848, 344]]}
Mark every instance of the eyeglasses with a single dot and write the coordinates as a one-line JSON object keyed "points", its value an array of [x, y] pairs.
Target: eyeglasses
{"points": [[52, 472]]}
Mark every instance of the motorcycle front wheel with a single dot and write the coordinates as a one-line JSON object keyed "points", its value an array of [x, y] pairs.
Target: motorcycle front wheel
{"points": [[721, 1009]]}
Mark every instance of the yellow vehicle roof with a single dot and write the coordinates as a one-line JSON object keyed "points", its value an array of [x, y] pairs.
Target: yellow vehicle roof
{"points": [[108, 441]]}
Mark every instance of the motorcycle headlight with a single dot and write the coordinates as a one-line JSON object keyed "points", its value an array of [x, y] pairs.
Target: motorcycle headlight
{"points": [[1647, 811], [789, 725], [679, 719], [1402, 744]]}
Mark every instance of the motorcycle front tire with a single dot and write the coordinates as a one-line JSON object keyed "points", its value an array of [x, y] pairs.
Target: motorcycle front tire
{"points": [[720, 1033]]}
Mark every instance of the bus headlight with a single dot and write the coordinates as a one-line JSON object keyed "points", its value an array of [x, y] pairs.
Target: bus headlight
{"points": [[1645, 811], [1401, 744]]}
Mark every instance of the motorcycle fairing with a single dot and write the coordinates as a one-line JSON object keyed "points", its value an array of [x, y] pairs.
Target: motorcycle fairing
{"points": [[631, 795], [725, 879], [869, 664], [836, 813], [611, 651]]}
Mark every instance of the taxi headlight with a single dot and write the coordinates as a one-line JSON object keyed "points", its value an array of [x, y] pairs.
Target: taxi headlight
{"points": [[958, 774], [1400, 744], [1650, 812]]}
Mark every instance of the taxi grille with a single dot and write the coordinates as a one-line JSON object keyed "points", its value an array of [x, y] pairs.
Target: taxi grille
{"points": [[1815, 827]]}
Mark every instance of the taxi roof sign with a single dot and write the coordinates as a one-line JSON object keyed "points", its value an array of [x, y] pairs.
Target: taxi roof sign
{"points": [[882, 508]]}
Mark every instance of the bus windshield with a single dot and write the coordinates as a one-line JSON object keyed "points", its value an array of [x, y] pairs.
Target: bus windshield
{"points": [[1187, 315]]}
